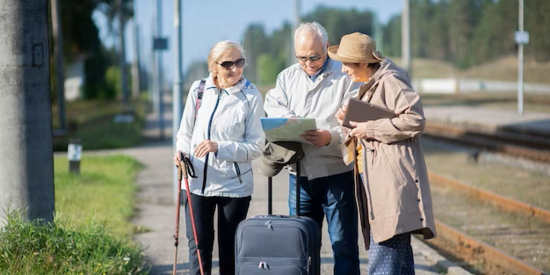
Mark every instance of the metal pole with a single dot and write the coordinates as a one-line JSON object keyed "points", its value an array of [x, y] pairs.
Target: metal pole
{"points": [[159, 72], [122, 43], [26, 165], [520, 62], [297, 20], [136, 65], [59, 66], [177, 92], [406, 37], [153, 84]]}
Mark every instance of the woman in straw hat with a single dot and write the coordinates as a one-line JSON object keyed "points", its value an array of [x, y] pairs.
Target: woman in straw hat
{"points": [[393, 191]]}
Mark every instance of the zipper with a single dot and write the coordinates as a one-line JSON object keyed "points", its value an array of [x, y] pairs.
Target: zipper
{"points": [[238, 171], [208, 138]]}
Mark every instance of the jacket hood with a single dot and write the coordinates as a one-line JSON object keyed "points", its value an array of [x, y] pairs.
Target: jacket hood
{"points": [[387, 66]]}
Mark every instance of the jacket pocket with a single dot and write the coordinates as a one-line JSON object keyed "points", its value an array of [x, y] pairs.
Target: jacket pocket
{"points": [[393, 162], [238, 173]]}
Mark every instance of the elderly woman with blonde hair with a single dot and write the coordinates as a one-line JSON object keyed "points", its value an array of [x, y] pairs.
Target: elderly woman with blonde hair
{"points": [[393, 192], [221, 134]]}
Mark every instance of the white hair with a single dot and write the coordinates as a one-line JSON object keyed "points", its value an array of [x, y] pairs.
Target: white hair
{"points": [[312, 27], [219, 49]]}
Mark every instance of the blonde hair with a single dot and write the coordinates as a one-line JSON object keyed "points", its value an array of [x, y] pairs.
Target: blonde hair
{"points": [[218, 50]]}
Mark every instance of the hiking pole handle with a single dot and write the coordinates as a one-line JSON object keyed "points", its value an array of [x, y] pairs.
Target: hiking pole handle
{"points": [[186, 167]]}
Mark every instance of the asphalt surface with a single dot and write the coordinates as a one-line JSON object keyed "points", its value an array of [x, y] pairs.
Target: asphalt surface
{"points": [[156, 212]]}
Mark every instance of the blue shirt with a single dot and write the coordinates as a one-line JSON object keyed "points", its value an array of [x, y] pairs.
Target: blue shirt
{"points": [[313, 77]]}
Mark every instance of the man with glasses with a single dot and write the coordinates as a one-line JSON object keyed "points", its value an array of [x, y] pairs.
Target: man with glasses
{"points": [[315, 87]]}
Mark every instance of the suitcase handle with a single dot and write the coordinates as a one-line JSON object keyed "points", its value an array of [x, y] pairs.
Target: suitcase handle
{"points": [[270, 192]]}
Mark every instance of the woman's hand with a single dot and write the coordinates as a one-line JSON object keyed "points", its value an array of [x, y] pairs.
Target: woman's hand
{"points": [[177, 157], [360, 130], [341, 113], [340, 117], [206, 147]]}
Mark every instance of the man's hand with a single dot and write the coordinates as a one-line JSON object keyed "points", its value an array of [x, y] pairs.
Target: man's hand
{"points": [[360, 130], [318, 138], [206, 147]]}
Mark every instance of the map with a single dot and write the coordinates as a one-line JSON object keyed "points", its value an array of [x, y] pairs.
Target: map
{"points": [[287, 129]]}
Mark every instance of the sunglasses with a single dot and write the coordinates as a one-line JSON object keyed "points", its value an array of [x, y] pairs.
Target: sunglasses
{"points": [[311, 58], [229, 64]]}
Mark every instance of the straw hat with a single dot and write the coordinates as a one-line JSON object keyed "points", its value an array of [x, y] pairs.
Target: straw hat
{"points": [[355, 48]]}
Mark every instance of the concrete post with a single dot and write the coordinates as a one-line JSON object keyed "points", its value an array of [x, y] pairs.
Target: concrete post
{"points": [[26, 162]]}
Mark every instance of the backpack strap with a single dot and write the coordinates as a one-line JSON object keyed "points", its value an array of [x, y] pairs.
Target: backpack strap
{"points": [[200, 92]]}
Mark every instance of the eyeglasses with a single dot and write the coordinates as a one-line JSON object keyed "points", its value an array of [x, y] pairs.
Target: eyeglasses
{"points": [[229, 64], [311, 58]]}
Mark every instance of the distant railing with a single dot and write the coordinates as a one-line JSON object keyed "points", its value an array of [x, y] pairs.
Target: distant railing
{"points": [[457, 86]]}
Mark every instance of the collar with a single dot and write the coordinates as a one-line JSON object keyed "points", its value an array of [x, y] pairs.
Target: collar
{"points": [[323, 69], [239, 86]]}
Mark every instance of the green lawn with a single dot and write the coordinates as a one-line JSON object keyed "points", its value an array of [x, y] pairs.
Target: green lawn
{"points": [[92, 122], [92, 229]]}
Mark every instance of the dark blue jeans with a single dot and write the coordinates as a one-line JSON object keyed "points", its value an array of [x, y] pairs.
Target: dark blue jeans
{"points": [[333, 196]]}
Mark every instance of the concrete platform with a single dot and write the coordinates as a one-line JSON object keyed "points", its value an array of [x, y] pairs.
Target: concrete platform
{"points": [[490, 118], [156, 215]]}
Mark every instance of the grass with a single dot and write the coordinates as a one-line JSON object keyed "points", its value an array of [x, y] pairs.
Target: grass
{"points": [[504, 69], [92, 123], [104, 189], [91, 233]]}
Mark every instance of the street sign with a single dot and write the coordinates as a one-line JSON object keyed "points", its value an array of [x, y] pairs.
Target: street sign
{"points": [[522, 37], [160, 43]]}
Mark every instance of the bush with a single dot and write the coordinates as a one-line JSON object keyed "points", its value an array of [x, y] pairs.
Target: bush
{"points": [[35, 248]]}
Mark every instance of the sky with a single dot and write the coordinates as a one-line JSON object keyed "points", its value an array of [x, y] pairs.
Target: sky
{"points": [[206, 22]]}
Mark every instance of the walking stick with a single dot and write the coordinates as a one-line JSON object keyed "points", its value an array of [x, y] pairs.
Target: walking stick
{"points": [[185, 167]]}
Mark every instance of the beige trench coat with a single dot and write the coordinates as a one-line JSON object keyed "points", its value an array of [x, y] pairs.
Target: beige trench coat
{"points": [[395, 195]]}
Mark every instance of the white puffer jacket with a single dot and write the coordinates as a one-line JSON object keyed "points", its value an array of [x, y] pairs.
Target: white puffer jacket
{"points": [[230, 117]]}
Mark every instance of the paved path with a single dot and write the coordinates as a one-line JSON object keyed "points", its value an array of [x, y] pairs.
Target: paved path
{"points": [[156, 213]]}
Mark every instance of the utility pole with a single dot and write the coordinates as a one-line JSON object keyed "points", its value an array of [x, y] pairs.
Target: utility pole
{"points": [[123, 75], [26, 165], [177, 93], [158, 72], [297, 20], [136, 77], [59, 66], [522, 38], [406, 37]]}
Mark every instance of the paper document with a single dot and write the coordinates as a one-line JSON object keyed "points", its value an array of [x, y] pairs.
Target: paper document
{"points": [[287, 129]]}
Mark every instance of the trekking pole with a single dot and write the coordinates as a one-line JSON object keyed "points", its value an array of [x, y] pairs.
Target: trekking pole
{"points": [[183, 169]]}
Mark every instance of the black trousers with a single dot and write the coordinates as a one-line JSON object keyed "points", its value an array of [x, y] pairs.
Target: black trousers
{"points": [[231, 211]]}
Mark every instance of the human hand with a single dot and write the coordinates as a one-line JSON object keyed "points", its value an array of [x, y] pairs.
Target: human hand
{"points": [[318, 138], [359, 130], [206, 147], [177, 157], [341, 113]]}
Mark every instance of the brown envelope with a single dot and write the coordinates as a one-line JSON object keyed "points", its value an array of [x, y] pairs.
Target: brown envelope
{"points": [[361, 111]]}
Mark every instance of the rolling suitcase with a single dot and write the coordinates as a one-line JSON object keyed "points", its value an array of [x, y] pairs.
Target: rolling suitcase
{"points": [[278, 244]]}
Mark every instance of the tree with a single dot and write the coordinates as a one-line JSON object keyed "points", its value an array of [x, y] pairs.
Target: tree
{"points": [[121, 10], [255, 43]]}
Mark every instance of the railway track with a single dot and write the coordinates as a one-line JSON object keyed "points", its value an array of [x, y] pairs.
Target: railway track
{"points": [[533, 146], [493, 234]]}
